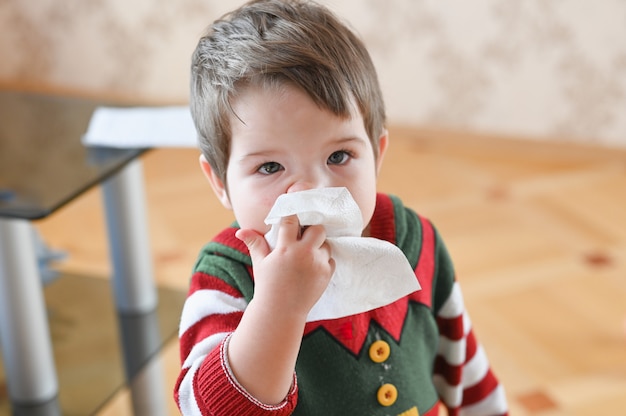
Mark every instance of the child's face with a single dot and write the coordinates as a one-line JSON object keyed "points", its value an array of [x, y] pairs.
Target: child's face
{"points": [[283, 142]]}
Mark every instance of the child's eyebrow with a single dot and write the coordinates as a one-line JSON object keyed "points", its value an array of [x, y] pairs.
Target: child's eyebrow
{"points": [[259, 154], [268, 153], [350, 139]]}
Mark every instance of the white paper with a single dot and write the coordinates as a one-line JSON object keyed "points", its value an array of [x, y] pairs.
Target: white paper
{"points": [[369, 273], [140, 127]]}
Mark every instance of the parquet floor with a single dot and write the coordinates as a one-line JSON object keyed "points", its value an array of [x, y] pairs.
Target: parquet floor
{"points": [[537, 232]]}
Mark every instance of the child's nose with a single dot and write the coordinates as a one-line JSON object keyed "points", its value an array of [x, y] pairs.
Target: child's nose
{"points": [[301, 186], [308, 178]]}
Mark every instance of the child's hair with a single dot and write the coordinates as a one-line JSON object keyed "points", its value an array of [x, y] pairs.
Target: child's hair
{"points": [[272, 42]]}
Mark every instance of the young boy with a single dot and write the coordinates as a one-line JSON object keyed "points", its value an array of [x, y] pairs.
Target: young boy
{"points": [[285, 98]]}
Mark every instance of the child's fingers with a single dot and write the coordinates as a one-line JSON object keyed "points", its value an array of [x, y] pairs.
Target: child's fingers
{"points": [[289, 230], [256, 243], [315, 235]]}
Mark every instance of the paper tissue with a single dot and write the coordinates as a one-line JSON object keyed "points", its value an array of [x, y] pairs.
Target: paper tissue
{"points": [[369, 273]]}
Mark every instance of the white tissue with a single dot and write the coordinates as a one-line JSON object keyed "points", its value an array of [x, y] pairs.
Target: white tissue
{"points": [[369, 273]]}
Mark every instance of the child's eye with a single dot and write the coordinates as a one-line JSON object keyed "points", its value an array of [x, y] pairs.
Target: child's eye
{"points": [[339, 157], [269, 168]]}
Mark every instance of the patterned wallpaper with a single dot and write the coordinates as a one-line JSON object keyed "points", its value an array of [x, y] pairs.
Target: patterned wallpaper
{"points": [[552, 69]]}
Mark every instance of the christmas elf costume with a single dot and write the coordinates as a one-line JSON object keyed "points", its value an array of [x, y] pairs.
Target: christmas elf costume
{"points": [[401, 359]]}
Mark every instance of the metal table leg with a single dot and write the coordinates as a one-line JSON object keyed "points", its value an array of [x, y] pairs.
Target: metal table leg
{"points": [[141, 341], [133, 282], [24, 331]]}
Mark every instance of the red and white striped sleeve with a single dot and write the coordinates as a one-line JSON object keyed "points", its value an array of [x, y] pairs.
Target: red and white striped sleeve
{"points": [[462, 375], [205, 385]]}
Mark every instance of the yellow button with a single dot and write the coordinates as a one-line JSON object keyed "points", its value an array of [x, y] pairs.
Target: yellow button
{"points": [[411, 412], [379, 351], [387, 394]]}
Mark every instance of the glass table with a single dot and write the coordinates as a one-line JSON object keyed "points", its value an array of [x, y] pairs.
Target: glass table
{"points": [[43, 166]]}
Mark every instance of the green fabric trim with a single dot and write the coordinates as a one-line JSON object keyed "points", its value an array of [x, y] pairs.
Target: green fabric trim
{"points": [[444, 276], [409, 238], [408, 231], [227, 264]]}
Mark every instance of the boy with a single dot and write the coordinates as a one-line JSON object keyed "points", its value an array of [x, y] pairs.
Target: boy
{"points": [[285, 98]]}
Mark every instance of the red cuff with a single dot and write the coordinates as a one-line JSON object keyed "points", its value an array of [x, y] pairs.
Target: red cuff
{"points": [[218, 392]]}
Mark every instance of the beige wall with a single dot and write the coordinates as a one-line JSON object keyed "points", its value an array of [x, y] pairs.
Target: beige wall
{"points": [[537, 68]]}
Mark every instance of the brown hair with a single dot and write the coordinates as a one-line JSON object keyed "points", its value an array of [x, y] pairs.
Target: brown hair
{"points": [[271, 42]]}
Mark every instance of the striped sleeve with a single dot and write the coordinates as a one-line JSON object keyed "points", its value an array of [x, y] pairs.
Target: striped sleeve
{"points": [[205, 385], [462, 374]]}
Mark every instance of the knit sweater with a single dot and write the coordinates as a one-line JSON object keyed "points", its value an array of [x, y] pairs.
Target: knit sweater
{"points": [[401, 359]]}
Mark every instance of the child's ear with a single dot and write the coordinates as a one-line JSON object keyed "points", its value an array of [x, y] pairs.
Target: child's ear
{"points": [[216, 183], [383, 142]]}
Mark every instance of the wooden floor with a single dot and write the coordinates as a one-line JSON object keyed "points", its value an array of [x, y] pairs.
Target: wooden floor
{"points": [[537, 232]]}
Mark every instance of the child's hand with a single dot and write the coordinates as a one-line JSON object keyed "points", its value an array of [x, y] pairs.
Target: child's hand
{"points": [[288, 281], [293, 276]]}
